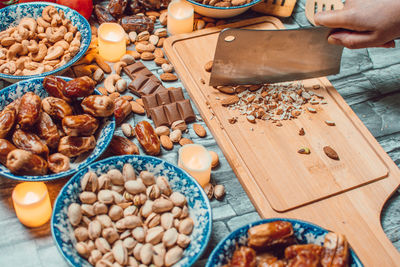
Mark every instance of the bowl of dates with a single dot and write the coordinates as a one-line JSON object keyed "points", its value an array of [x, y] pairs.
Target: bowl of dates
{"points": [[222, 9], [39, 39], [131, 210], [283, 242], [51, 127]]}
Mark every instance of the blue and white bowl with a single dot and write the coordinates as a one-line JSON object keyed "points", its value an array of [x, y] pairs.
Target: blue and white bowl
{"points": [[304, 232], [12, 15], [103, 135], [221, 12], [180, 181]]}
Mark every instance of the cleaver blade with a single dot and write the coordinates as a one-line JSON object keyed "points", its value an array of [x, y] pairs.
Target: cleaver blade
{"points": [[245, 56]]}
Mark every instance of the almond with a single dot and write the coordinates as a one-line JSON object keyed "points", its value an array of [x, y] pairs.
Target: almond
{"points": [[102, 90], [227, 89], [160, 60], [185, 141], [140, 101], [199, 130], [136, 108], [152, 13], [330, 152], [147, 56], [208, 66], [141, 48], [135, 54], [160, 42], [168, 77], [158, 52], [230, 100], [166, 142], [127, 97]]}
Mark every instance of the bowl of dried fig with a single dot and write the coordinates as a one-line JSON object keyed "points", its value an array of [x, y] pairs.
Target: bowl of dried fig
{"points": [[283, 242], [39, 39], [222, 9], [51, 127], [131, 210]]}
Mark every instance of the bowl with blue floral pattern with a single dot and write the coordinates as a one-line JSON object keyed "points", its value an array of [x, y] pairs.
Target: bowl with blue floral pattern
{"points": [[179, 180], [103, 134], [304, 232], [13, 14]]}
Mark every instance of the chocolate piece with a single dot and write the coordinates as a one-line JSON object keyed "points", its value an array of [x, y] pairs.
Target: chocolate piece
{"points": [[148, 88], [145, 72], [154, 78], [160, 89], [172, 113], [176, 94], [163, 98], [138, 83], [132, 69], [149, 101], [186, 110], [158, 116]]}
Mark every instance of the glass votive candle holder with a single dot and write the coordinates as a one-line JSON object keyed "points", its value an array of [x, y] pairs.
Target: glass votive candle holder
{"points": [[32, 203], [196, 160], [180, 17], [112, 41]]}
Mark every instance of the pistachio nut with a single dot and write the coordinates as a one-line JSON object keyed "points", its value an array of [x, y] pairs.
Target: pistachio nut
{"points": [[167, 220], [185, 212], [118, 198], [115, 177], [219, 192], [82, 249], [94, 229], [183, 241], [87, 210], [90, 245], [131, 210], [105, 196], [176, 212], [152, 220], [125, 234], [124, 205], [129, 222], [147, 178], [186, 226], [162, 130], [176, 223], [129, 243], [147, 208], [159, 254], [100, 208], [139, 233], [154, 235], [139, 199], [87, 197], [136, 251], [179, 125], [118, 188], [110, 234], [120, 253], [175, 136], [153, 192], [133, 262], [81, 234], [89, 182], [170, 237], [74, 214], [161, 205], [104, 182], [173, 256], [108, 256], [95, 256], [104, 220], [146, 253], [86, 220], [135, 186], [128, 173], [178, 199], [164, 186], [102, 245]]}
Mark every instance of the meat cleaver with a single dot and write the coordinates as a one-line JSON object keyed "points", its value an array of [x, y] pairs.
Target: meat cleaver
{"points": [[245, 56]]}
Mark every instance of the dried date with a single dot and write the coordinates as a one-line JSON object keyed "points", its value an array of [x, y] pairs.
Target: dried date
{"points": [[80, 125], [122, 146], [103, 15], [7, 121], [154, 4], [303, 255], [117, 7], [30, 142], [136, 23], [134, 7], [72, 146], [270, 234], [58, 162], [48, 131], [5, 148], [28, 110], [79, 87], [56, 107], [98, 105], [147, 138], [26, 163], [243, 257], [122, 109], [54, 86]]}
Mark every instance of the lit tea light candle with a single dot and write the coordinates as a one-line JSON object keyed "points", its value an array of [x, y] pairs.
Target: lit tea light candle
{"points": [[32, 203], [196, 160], [112, 43], [180, 17]]}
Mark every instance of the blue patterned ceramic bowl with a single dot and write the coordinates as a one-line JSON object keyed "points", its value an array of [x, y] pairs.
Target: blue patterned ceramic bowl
{"points": [[221, 12], [180, 181], [305, 232], [103, 136], [11, 16]]}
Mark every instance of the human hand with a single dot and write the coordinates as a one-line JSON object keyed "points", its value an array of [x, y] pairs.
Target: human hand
{"points": [[363, 23]]}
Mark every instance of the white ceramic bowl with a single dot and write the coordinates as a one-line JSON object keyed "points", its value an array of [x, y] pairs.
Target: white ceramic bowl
{"points": [[220, 12]]}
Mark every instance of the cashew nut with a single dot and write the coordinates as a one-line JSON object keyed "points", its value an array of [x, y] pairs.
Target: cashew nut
{"points": [[18, 72], [39, 29], [110, 81], [56, 20], [8, 68], [48, 13], [3, 53], [33, 46], [69, 36], [28, 23], [98, 75], [72, 28], [64, 44], [54, 52], [56, 35], [20, 63], [14, 50], [39, 70], [7, 41], [42, 23], [25, 50], [118, 67], [20, 34], [121, 85], [48, 68], [128, 59], [39, 56], [31, 65], [67, 57], [51, 62]]}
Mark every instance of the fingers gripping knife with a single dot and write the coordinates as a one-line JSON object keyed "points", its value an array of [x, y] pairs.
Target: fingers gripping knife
{"points": [[246, 56]]}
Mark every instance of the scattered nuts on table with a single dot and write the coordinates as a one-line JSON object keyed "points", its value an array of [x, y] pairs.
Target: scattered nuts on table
{"points": [[331, 153], [214, 159], [219, 192], [304, 150], [199, 130]]}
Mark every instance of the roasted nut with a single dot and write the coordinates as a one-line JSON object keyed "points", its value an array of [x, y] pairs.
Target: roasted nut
{"points": [[139, 234], [209, 190], [56, 107], [102, 245], [167, 219], [135, 187], [152, 220], [162, 205], [159, 254], [87, 197], [128, 173], [183, 241], [30, 142], [57, 163], [153, 192], [128, 130], [120, 253], [146, 253], [29, 110], [186, 226], [148, 138], [178, 199], [147, 208], [330, 152], [162, 130], [87, 210], [164, 186], [219, 192], [122, 146], [81, 233], [74, 214], [154, 235], [94, 229], [175, 136], [184, 213], [24, 162], [170, 237], [98, 105], [82, 249], [173, 255], [80, 125], [73, 146]]}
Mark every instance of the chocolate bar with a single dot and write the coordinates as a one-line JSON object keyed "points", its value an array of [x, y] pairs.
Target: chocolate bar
{"points": [[176, 94], [149, 101], [158, 116], [172, 113], [186, 110], [163, 98]]}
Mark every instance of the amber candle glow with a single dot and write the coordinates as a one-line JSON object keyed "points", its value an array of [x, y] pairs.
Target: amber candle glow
{"points": [[196, 160], [112, 43]]}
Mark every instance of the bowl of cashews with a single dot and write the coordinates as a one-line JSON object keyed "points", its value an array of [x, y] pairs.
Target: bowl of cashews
{"points": [[39, 39]]}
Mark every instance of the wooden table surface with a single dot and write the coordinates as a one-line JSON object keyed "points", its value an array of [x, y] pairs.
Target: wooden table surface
{"points": [[370, 83]]}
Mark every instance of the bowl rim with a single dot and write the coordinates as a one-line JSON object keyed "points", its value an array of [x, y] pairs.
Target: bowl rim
{"points": [[252, 3], [234, 233], [81, 52], [55, 176], [82, 171]]}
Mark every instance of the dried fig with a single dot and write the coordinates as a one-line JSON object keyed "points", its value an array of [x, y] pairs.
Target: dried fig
{"points": [[73, 146], [80, 125], [56, 107], [28, 110], [98, 105], [79, 87], [26, 163], [30, 142], [147, 138]]}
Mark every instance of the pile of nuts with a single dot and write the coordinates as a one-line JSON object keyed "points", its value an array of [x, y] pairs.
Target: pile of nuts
{"points": [[43, 134], [126, 220], [39, 45]]}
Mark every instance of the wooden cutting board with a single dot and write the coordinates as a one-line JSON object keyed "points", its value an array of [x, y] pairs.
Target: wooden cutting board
{"points": [[344, 196]]}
